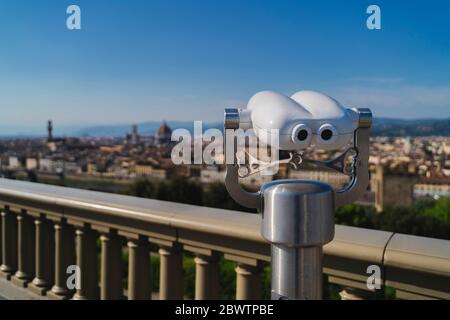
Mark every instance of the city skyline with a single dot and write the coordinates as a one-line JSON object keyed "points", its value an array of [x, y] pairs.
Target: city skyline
{"points": [[147, 62]]}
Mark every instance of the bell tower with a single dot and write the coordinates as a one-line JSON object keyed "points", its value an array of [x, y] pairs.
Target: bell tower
{"points": [[49, 131]]}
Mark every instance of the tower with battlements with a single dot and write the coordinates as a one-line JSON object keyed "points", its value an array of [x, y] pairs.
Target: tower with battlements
{"points": [[49, 131]]}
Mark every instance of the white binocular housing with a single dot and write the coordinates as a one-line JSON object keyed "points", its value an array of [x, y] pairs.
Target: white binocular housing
{"points": [[298, 215], [308, 118]]}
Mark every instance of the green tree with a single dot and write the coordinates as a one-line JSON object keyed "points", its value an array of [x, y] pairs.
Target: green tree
{"points": [[161, 191], [412, 221], [216, 196], [32, 176], [143, 188], [426, 218], [227, 279], [423, 204], [184, 190], [440, 210], [189, 276], [352, 215]]}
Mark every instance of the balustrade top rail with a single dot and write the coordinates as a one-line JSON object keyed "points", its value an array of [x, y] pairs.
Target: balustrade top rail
{"points": [[416, 267]]}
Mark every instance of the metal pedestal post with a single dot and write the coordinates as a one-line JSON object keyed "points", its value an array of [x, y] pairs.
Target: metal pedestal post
{"points": [[296, 273], [298, 219]]}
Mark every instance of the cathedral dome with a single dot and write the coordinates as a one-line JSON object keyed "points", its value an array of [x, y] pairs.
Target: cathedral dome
{"points": [[163, 134], [164, 130]]}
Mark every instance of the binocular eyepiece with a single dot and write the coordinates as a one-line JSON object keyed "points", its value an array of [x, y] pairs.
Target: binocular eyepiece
{"points": [[308, 118]]}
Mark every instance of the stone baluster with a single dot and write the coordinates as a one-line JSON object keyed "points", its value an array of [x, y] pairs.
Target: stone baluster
{"points": [[26, 250], [1, 240], [111, 286], [87, 261], [207, 270], [355, 294], [9, 243], [171, 273], [248, 282], [64, 257], [44, 255], [139, 272]]}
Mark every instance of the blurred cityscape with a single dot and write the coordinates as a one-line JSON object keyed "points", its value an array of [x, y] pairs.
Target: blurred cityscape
{"points": [[403, 169]]}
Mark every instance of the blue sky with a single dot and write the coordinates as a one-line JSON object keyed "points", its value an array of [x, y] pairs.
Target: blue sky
{"points": [[135, 61]]}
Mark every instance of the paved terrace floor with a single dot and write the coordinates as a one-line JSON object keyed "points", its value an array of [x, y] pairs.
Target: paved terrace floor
{"points": [[9, 291]]}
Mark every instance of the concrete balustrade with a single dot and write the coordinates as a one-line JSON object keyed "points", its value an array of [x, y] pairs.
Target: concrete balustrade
{"points": [[248, 282], [9, 243], [87, 257], [64, 257], [139, 272], [171, 273], [44, 256], [207, 273], [44, 229], [355, 294], [111, 284], [26, 254], [1, 239]]}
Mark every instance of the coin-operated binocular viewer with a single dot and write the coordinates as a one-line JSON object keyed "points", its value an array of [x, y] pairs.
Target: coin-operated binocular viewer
{"points": [[298, 215]]}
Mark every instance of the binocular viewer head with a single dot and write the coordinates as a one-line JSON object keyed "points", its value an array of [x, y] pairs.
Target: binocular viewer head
{"points": [[307, 118], [298, 214]]}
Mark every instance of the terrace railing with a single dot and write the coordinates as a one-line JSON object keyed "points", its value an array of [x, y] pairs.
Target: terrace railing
{"points": [[45, 229]]}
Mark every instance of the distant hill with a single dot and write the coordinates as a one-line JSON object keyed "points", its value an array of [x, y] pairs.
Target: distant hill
{"points": [[415, 127], [145, 128], [381, 127]]}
